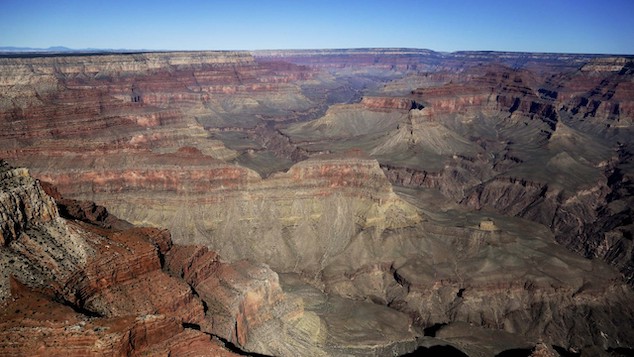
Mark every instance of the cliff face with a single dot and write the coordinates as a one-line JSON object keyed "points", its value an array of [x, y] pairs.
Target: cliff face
{"points": [[38, 247], [286, 220], [116, 297], [70, 287], [22, 201], [138, 101], [287, 159]]}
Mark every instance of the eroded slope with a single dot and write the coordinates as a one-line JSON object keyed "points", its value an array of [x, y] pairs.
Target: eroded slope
{"points": [[206, 145]]}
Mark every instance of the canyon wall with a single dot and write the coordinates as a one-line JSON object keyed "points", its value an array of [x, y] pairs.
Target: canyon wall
{"points": [[368, 174], [69, 287]]}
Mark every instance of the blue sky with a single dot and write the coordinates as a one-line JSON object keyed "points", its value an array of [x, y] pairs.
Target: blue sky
{"points": [[577, 26]]}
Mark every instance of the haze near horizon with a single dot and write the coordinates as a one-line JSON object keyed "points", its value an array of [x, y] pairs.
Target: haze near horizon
{"points": [[585, 26]]}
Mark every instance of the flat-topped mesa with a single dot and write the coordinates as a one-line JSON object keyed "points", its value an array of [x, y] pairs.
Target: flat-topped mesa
{"points": [[487, 225], [477, 89], [606, 64], [387, 103], [496, 90], [119, 64], [452, 98], [350, 170]]}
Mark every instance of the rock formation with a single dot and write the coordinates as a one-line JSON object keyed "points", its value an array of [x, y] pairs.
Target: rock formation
{"points": [[72, 286], [69, 287], [330, 202]]}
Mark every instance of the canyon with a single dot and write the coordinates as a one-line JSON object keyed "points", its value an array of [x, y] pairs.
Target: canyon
{"points": [[317, 202]]}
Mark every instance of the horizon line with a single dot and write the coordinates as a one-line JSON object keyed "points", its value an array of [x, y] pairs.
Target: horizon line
{"points": [[67, 50]]}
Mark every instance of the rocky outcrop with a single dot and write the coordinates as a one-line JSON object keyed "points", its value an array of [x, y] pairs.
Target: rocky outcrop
{"points": [[70, 287], [22, 202], [34, 325], [85, 211], [242, 299], [252, 307], [38, 248]]}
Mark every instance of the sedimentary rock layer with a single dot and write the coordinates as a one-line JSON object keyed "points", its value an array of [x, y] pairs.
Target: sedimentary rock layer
{"points": [[73, 288], [117, 300], [262, 157]]}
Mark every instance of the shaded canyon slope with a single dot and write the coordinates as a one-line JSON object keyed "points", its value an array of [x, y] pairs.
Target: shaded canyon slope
{"points": [[327, 202], [85, 283]]}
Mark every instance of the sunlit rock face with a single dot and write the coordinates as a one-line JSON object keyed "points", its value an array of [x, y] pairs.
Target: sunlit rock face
{"points": [[80, 289], [429, 188]]}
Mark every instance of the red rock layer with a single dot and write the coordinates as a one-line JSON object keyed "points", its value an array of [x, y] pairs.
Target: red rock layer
{"points": [[73, 288], [241, 297], [132, 102], [126, 278], [33, 325], [388, 103]]}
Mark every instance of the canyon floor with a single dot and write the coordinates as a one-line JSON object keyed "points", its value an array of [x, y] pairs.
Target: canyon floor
{"points": [[364, 202]]}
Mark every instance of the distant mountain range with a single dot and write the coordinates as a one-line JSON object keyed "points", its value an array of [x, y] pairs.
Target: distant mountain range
{"points": [[61, 49]]}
